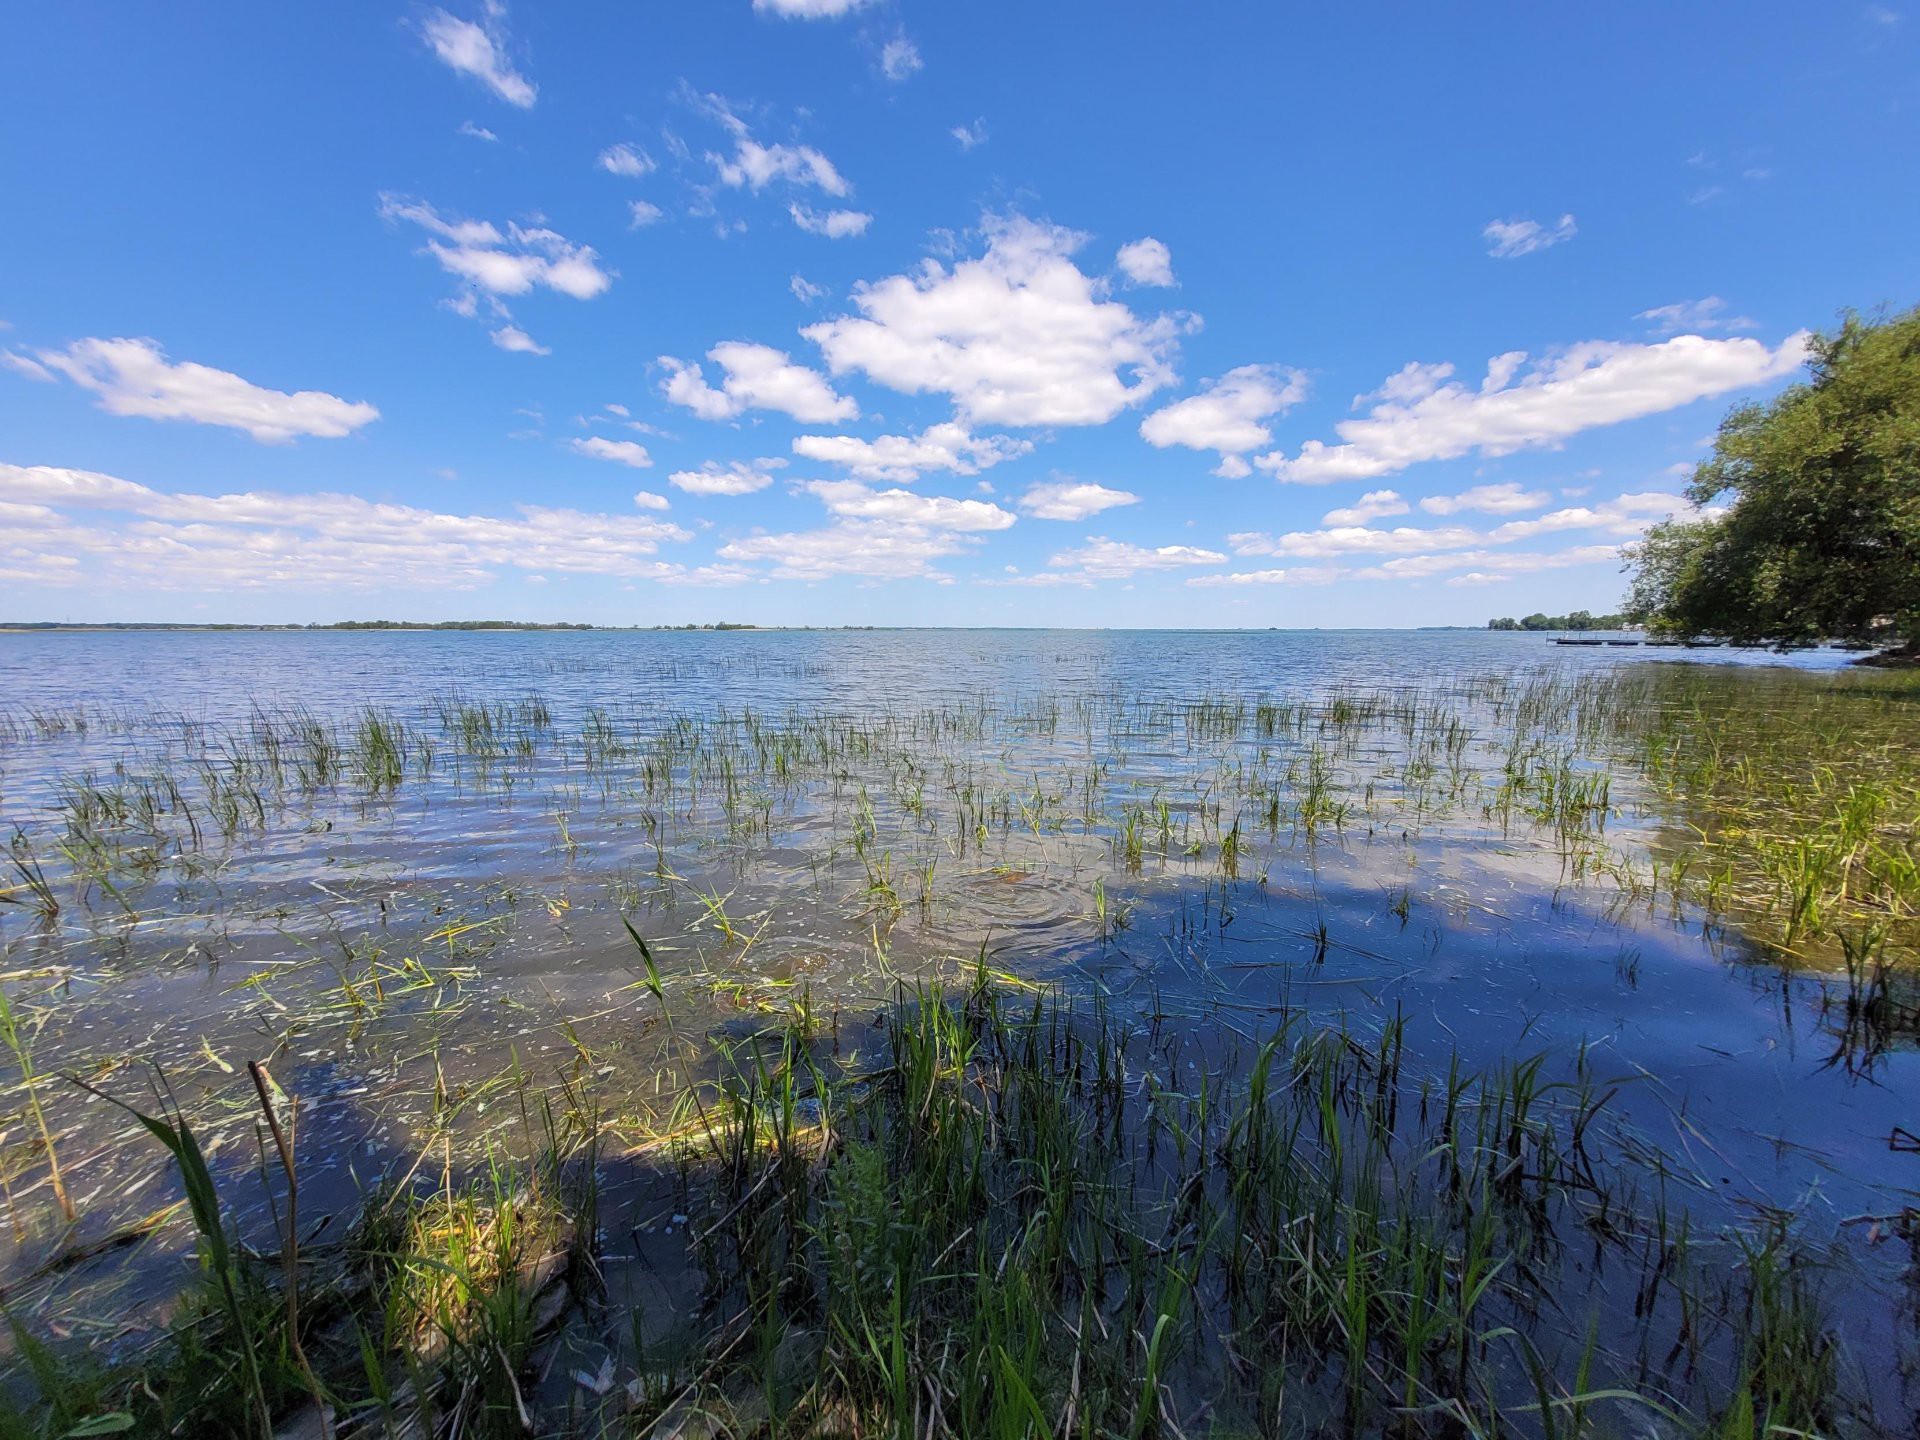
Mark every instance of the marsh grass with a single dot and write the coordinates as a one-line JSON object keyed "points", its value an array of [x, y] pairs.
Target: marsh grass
{"points": [[424, 1319], [1015, 1215], [32, 890], [1013, 1222], [20, 1045]]}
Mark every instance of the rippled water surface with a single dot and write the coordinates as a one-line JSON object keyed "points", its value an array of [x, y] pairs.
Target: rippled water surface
{"points": [[399, 863]]}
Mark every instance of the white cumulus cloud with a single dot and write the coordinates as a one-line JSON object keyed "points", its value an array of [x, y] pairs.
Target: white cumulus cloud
{"points": [[1418, 553], [1495, 564], [1072, 500], [1622, 515], [757, 377], [1146, 262], [99, 530], [855, 501], [1227, 414], [947, 446], [1103, 559], [512, 337], [1019, 336], [1510, 498], [134, 377], [1353, 540], [735, 477], [1374, 505], [1420, 414], [626, 452]]}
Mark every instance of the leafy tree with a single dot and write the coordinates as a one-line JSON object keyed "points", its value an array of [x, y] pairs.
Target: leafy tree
{"points": [[1820, 534], [1578, 620]]}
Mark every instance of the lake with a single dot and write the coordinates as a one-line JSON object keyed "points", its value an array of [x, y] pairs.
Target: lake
{"points": [[412, 869]]}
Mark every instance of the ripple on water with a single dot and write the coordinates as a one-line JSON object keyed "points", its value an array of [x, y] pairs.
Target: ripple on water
{"points": [[1021, 900]]}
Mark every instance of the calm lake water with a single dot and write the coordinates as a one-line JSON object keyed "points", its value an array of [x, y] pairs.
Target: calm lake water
{"points": [[397, 861], [224, 675]]}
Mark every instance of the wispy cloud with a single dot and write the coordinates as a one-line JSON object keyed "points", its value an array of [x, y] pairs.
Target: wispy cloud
{"points": [[1507, 239], [1293, 575], [871, 549], [479, 51], [834, 224], [756, 166], [900, 59], [626, 160], [1694, 315], [809, 9], [492, 265]]}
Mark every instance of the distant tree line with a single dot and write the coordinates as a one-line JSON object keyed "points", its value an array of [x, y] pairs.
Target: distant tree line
{"points": [[452, 625], [511, 625], [354, 625], [1575, 620], [1815, 530]]}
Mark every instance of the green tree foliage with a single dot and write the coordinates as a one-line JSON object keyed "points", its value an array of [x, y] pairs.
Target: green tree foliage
{"points": [[1820, 535], [1577, 620]]}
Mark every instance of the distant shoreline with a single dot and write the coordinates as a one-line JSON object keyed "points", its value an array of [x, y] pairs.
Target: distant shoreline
{"points": [[443, 627], [466, 627]]}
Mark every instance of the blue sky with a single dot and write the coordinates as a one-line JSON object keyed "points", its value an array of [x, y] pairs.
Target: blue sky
{"points": [[803, 311]]}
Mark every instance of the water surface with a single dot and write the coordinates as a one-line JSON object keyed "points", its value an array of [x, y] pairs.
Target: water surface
{"points": [[1205, 830]]}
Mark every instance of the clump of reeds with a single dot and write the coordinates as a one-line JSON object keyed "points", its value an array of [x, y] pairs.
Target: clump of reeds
{"points": [[425, 1318], [1014, 1224]]}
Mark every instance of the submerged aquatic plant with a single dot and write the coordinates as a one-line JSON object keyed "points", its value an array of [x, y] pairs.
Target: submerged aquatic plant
{"points": [[20, 1046], [1000, 1210]]}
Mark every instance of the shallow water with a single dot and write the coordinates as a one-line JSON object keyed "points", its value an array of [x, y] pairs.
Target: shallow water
{"points": [[824, 813]]}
